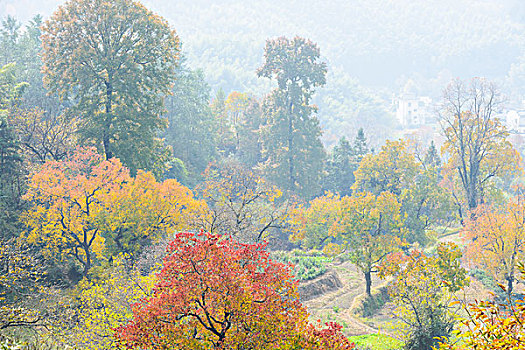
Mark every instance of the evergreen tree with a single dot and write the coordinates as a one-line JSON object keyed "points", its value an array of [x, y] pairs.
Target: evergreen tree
{"points": [[432, 158], [11, 173], [340, 168], [292, 149], [191, 127], [360, 146], [250, 147]]}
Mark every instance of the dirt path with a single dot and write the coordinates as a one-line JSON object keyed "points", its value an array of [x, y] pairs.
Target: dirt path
{"points": [[337, 305]]}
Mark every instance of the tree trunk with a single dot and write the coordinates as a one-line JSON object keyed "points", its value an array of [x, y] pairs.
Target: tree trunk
{"points": [[87, 263], [290, 147], [107, 121], [510, 284], [368, 282]]}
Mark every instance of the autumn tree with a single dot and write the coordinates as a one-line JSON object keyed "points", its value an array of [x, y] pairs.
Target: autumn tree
{"points": [[95, 308], [89, 209], [21, 286], [495, 240], [475, 142], [423, 292], [491, 325], [240, 203], [215, 293], [115, 60], [364, 226], [292, 150]]}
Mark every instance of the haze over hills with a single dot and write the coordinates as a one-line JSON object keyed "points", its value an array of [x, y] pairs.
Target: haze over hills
{"points": [[373, 47]]}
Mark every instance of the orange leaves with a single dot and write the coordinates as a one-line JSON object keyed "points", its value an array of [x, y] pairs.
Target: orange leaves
{"points": [[216, 293], [90, 209], [495, 239]]}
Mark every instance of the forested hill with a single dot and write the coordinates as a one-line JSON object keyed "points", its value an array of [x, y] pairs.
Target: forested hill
{"points": [[377, 44]]}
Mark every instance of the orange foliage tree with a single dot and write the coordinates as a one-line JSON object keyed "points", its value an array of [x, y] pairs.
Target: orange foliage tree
{"points": [[91, 209], [495, 240], [216, 293]]}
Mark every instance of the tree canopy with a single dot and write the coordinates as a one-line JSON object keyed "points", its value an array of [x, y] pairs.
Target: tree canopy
{"points": [[115, 60]]}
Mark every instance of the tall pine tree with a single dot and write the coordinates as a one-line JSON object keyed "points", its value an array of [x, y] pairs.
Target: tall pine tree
{"points": [[292, 149]]}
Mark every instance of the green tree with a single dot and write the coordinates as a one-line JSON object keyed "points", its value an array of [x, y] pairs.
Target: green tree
{"points": [[191, 129], [342, 162], [292, 149], [11, 172], [9, 35], [250, 147], [116, 60], [360, 148], [432, 158], [340, 169]]}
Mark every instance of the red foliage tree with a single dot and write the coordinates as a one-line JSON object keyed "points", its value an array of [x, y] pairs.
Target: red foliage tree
{"points": [[216, 293]]}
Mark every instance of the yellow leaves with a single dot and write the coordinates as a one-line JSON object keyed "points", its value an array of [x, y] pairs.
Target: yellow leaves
{"points": [[390, 170], [105, 304], [332, 249]]}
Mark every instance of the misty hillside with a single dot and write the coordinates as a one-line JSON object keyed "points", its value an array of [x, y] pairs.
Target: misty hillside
{"points": [[367, 43]]}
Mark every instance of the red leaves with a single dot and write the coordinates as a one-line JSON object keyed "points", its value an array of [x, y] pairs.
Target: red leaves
{"points": [[216, 293]]}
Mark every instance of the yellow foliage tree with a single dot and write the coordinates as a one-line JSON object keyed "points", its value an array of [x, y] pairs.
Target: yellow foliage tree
{"points": [[365, 226], [489, 325], [423, 291], [99, 306], [415, 184]]}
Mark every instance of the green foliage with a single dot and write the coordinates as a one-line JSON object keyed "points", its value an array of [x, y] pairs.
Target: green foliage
{"points": [[376, 341], [370, 304], [292, 150], [114, 61], [307, 265], [191, 131], [11, 174], [342, 162]]}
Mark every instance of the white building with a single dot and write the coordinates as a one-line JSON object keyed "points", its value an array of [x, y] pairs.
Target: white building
{"points": [[515, 121], [414, 111]]}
